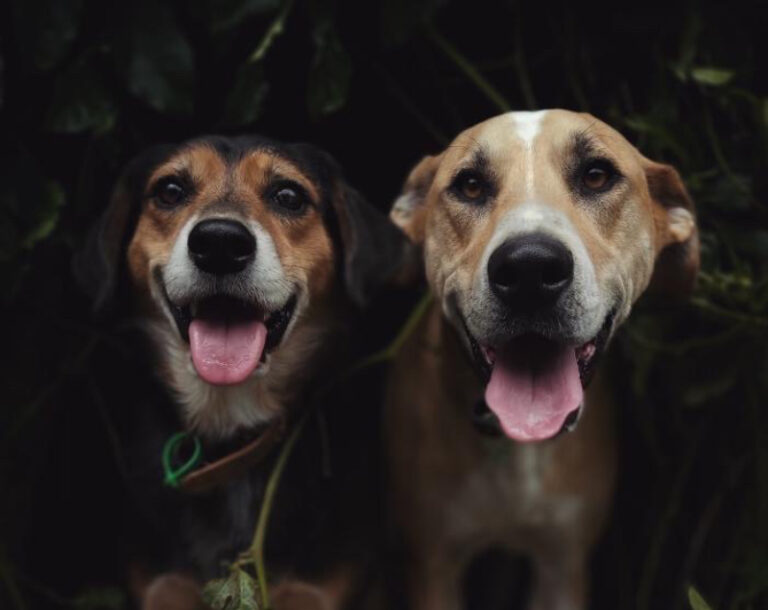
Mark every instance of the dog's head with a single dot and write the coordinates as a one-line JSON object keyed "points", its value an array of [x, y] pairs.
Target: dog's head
{"points": [[236, 248], [539, 232]]}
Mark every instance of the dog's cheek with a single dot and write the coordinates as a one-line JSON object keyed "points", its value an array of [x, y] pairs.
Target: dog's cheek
{"points": [[306, 254], [146, 249]]}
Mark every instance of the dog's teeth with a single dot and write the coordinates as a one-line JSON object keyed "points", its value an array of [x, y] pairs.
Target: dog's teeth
{"points": [[489, 354]]}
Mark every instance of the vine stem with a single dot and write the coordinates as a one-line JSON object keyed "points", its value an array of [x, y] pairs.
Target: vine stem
{"points": [[257, 546], [729, 314], [275, 29], [469, 70]]}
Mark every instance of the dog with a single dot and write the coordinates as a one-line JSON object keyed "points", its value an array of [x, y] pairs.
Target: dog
{"points": [[243, 258], [539, 231]]}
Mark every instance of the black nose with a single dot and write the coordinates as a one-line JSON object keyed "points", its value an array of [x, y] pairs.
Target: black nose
{"points": [[530, 271], [221, 246]]}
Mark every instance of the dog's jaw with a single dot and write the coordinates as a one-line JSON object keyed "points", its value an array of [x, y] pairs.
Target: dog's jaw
{"points": [[218, 412]]}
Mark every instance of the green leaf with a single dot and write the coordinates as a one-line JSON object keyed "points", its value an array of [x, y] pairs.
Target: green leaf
{"points": [[402, 19], [47, 215], [658, 132], [46, 29], [330, 73], [246, 98], [155, 59], [714, 77], [275, 29], [81, 103], [29, 206], [106, 598], [227, 14], [238, 591], [696, 600]]}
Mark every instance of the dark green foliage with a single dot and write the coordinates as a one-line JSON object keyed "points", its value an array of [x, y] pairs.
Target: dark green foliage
{"points": [[154, 59], [85, 85]]}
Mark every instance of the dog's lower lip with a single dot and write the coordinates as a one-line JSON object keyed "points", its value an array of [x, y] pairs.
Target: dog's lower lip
{"points": [[276, 321], [586, 353]]}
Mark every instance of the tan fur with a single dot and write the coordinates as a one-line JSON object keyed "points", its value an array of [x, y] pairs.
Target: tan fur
{"points": [[454, 492]]}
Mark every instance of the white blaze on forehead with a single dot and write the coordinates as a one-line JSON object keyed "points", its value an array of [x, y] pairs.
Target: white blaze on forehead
{"points": [[527, 126]]}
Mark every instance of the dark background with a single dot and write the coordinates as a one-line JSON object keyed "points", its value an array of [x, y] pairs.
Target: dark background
{"points": [[84, 85]]}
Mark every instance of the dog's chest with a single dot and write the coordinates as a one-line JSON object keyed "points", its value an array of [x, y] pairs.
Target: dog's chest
{"points": [[515, 488]]}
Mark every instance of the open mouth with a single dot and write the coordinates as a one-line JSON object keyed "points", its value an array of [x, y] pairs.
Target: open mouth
{"points": [[534, 385], [229, 338]]}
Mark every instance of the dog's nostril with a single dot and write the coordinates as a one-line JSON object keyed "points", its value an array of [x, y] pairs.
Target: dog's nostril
{"points": [[555, 272], [221, 246], [530, 271]]}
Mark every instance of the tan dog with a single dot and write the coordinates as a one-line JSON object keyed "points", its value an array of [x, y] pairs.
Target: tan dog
{"points": [[539, 232]]}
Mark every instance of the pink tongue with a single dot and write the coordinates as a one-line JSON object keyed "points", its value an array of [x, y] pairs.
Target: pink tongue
{"points": [[534, 386], [226, 352]]}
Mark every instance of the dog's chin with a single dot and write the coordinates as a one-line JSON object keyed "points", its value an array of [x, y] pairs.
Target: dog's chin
{"points": [[230, 339], [534, 383]]}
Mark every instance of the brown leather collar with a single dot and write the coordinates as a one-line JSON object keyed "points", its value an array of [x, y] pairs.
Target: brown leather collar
{"points": [[234, 464]]}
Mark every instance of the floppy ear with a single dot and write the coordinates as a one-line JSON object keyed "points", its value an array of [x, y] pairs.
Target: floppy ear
{"points": [[409, 210], [97, 265], [677, 263], [373, 248]]}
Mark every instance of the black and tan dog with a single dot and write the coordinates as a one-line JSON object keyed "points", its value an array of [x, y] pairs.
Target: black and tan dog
{"points": [[539, 232], [243, 255]]}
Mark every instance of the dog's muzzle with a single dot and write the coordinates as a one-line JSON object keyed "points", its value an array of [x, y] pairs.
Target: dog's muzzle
{"points": [[219, 304], [535, 371]]}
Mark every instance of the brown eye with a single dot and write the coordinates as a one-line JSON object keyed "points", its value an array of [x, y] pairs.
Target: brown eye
{"points": [[170, 192], [470, 186], [289, 198], [598, 176]]}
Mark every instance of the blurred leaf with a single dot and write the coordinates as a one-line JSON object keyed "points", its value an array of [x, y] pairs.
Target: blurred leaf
{"points": [[106, 598], [709, 389], [731, 193], [401, 19], [46, 29], [330, 73], [696, 600], [714, 77], [29, 206], [246, 98], [688, 46], [47, 215], [230, 13], [275, 29], [658, 131], [238, 591], [155, 60], [81, 103]]}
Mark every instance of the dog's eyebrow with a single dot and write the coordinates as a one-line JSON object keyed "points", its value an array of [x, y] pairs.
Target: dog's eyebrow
{"points": [[478, 160], [583, 145]]}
